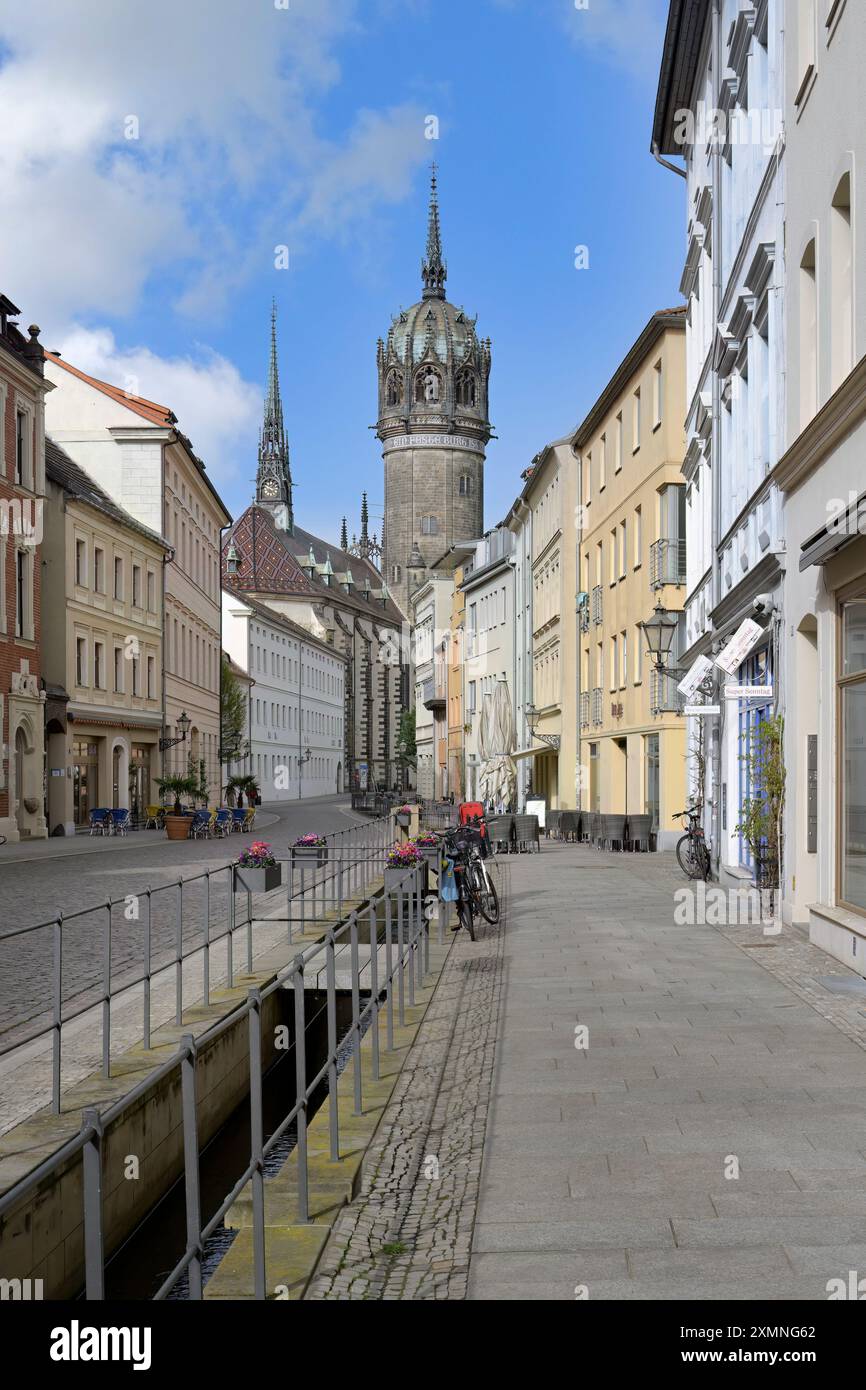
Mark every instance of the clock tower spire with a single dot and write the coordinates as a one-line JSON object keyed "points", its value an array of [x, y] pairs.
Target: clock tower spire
{"points": [[274, 476]]}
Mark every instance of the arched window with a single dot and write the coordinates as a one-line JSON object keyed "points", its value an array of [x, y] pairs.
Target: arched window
{"points": [[429, 526], [428, 386], [464, 485], [841, 285], [396, 573], [394, 388], [467, 389], [808, 335]]}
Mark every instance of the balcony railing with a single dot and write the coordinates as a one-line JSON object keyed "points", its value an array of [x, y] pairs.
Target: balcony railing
{"points": [[597, 606], [597, 704], [584, 709], [431, 697], [667, 563], [664, 696]]}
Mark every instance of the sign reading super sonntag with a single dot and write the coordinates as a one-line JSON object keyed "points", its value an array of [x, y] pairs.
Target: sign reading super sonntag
{"points": [[734, 654]]}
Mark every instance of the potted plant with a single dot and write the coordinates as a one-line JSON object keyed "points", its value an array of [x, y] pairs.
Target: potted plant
{"points": [[401, 859], [428, 844], [310, 847], [256, 870], [403, 816], [176, 823]]}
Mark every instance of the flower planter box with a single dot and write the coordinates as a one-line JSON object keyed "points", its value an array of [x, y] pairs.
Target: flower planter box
{"points": [[403, 819], [431, 856], [393, 877], [177, 827], [309, 854], [264, 880]]}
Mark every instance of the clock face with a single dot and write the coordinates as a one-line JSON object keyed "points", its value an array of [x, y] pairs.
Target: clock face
{"points": [[270, 488]]}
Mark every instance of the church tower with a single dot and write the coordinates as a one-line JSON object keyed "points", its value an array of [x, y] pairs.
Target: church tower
{"points": [[274, 476], [433, 422]]}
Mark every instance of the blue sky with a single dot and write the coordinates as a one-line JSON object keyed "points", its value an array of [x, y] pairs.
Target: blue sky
{"points": [[151, 259]]}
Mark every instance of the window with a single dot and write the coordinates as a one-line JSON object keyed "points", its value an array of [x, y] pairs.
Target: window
{"points": [[623, 659], [635, 442], [602, 463], [852, 753], [618, 442], [638, 655], [23, 434], [396, 574], [23, 594], [151, 591], [80, 661], [638, 537], [657, 394], [465, 485], [841, 285], [98, 665], [118, 577], [623, 558], [136, 586], [80, 563], [429, 526], [808, 335], [118, 670], [613, 575], [587, 478], [98, 570], [471, 698], [614, 663], [136, 662]]}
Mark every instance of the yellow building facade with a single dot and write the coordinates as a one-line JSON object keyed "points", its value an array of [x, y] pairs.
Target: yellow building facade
{"points": [[631, 523]]}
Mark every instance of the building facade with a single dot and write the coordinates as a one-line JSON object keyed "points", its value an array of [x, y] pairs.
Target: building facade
{"points": [[488, 596], [821, 477], [134, 449], [431, 606], [632, 556], [22, 490], [719, 106], [101, 650], [297, 701], [433, 373], [519, 523]]}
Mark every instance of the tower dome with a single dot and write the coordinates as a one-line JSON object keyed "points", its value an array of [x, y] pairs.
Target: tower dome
{"points": [[433, 372]]}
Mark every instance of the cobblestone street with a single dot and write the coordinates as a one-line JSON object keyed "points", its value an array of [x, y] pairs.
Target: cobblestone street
{"points": [[708, 1142]]}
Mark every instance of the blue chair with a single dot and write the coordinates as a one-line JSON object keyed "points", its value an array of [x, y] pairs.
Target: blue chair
{"points": [[223, 822], [239, 815], [200, 827], [119, 821], [100, 821]]}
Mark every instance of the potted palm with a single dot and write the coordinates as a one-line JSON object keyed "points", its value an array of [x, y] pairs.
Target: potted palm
{"points": [[256, 870], [310, 847], [401, 859], [176, 823], [243, 784]]}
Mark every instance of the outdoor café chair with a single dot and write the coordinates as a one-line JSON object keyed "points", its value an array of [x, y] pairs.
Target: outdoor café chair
{"points": [[119, 820], [100, 821]]}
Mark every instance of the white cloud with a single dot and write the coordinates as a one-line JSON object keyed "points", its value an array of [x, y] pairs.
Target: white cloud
{"points": [[218, 411], [627, 33], [224, 93]]}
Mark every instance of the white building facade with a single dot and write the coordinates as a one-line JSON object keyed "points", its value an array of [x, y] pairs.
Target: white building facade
{"points": [[489, 639], [720, 107], [296, 701], [431, 620], [519, 523]]}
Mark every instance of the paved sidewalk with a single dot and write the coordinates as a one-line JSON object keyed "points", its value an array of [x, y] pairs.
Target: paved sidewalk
{"points": [[709, 1142], [609, 1171]]}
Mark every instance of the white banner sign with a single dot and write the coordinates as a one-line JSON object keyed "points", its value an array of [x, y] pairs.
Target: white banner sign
{"points": [[432, 441], [702, 709], [742, 642], [748, 692], [690, 683]]}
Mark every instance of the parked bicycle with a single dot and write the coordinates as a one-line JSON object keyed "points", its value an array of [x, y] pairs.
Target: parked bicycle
{"points": [[693, 853], [476, 891]]}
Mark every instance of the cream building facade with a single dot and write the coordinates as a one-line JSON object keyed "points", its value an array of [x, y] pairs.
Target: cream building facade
{"points": [[632, 556], [134, 449], [431, 619], [488, 595], [101, 650]]}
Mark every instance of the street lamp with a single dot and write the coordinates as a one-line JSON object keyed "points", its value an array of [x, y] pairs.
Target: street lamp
{"points": [[533, 716], [183, 723], [659, 631]]}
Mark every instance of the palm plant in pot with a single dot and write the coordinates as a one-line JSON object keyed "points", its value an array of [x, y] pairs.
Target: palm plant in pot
{"points": [[243, 784], [401, 859], [310, 847], [177, 824], [256, 870]]}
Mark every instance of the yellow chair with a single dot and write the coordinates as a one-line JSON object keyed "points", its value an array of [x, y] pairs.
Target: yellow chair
{"points": [[249, 819], [153, 817]]}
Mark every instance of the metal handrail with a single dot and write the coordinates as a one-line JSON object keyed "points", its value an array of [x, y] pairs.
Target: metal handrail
{"points": [[412, 960]]}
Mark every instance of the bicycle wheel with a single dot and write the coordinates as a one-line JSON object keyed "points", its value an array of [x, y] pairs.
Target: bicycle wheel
{"points": [[702, 859], [466, 916], [488, 897], [686, 856]]}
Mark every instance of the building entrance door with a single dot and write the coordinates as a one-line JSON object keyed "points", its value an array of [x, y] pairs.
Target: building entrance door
{"points": [[85, 780], [139, 780]]}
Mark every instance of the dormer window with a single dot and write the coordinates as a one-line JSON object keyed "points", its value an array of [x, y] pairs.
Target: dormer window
{"points": [[232, 559]]}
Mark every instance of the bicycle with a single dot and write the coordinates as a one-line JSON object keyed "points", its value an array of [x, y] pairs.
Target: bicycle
{"points": [[693, 854], [459, 847]]}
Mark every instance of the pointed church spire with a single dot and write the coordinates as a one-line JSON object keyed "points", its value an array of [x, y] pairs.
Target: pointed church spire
{"points": [[434, 271], [344, 536], [274, 477], [365, 517]]}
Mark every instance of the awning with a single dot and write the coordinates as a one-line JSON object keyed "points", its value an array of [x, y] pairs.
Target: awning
{"points": [[530, 752], [841, 530]]}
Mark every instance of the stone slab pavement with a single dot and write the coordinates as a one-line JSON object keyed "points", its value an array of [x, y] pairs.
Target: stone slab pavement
{"points": [[704, 1138]]}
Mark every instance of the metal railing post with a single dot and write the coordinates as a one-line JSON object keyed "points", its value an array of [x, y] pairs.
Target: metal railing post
{"points": [[106, 995], [389, 973], [148, 951], [191, 1164], [206, 948], [56, 1039], [411, 927], [249, 932], [356, 1013], [374, 991], [91, 1163], [178, 1003], [303, 908], [401, 963], [301, 1087], [333, 1108], [289, 906], [231, 952], [254, 1014]]}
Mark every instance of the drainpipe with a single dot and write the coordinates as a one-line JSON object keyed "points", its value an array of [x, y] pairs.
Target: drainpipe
{"points": [[716, 729], [666, 164]]}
